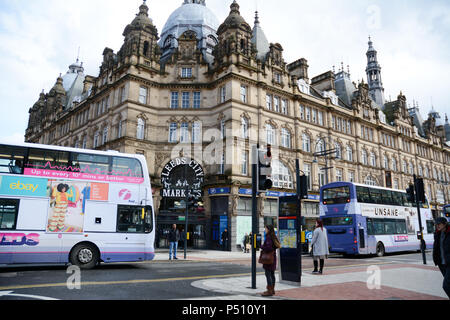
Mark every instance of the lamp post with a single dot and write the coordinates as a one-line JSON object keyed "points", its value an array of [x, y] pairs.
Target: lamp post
{"points": [[325, 153]]}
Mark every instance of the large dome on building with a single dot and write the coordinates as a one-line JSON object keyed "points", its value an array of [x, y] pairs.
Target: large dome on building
{"points": [[193, 15]]}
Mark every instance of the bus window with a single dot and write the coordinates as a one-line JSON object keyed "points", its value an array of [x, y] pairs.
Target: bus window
{"points": [[12, 159], [134, 219], [48, 159], [363, 194], [430, 226], [400, 227], [8, 214], [341, 221], [370, 230], [336, 195], [397, 198], [389, 226], [90, 163], [378, 226], [128, 167], [386, 197], [376, 196]]}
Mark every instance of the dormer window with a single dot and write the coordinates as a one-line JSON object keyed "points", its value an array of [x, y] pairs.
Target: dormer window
{"points": [[333, 97], [186, 72], [303, 86]]}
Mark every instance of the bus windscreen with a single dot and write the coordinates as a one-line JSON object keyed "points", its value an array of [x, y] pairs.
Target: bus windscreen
{"points": [[336, 195]]}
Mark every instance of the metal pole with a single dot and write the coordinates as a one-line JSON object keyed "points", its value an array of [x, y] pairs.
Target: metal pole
{"points": [[254, 212], [187, 213], [299, 217], [422, 241]]}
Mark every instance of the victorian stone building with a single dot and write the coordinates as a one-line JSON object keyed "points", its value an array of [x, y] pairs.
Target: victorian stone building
{"points": [[208, 91]]}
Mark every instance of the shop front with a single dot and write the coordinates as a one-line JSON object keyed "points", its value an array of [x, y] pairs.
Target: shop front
{"points": [[182, 204]]}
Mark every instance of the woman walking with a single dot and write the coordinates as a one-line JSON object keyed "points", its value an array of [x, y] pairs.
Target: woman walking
{"points": [[269, 259], [320, 247]]}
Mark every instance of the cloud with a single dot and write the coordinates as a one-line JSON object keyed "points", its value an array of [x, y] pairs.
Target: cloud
{"points": [[39, 39]]}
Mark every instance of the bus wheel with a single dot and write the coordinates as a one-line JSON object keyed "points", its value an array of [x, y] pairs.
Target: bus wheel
{"points": [[380, 249], [85, 256]]}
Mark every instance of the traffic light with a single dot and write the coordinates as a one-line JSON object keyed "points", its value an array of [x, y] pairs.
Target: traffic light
{"points": [[265, 169], [420, 190], [410, 194], [303, 187]]}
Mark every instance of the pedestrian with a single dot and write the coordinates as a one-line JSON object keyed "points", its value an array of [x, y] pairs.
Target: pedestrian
{"points": [[320, 249], [182, 238], [174, 237], [441, 251], [247, 244], [225, 240], [269, 251]]}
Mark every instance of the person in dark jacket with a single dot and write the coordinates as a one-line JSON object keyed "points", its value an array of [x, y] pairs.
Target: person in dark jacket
{"points": [[271, 244], [174, 237], [225, 240], [441, 251]]}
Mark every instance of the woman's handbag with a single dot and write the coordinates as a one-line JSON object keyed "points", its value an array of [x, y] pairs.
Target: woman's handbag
{"points": [[266, 258]]}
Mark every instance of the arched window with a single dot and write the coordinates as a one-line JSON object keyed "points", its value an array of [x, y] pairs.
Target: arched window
{"points": [[270, 135], [306, 142], [320, 145], [281, 176], [364, 157], [349, 154], [244, 128], [371, 181], [105, 135], [338, 148], [285, 138], [140, 132]]}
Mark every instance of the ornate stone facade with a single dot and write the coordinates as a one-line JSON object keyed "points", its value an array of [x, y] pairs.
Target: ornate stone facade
{"points": [[213, 107]]}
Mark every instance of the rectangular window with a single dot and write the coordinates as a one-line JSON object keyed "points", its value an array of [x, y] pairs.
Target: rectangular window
{"points": [[308, 114], [276, 104], [223, 94], [173, 132], [186, 72], [143, 95], [12, 159], [197, 100], [244, 163], [134, 219], [269, 102], [196, 132], [307, 170], [339, 175], [184, 135], [123, 96], [284, 106], [174, 100], [186, 100], [320, 118], [302, 112], [244, 94], [8, 214]]}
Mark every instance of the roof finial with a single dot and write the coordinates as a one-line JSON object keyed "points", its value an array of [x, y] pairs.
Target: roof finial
{"points": [[256, 18]]}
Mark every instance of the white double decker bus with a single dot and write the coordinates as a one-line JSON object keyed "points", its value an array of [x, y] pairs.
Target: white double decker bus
{"points": [[62, 205]]}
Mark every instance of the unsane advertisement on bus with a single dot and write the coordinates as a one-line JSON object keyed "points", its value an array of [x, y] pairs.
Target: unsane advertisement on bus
{"points": [[68, 203], [382, 211], [81, 176]]}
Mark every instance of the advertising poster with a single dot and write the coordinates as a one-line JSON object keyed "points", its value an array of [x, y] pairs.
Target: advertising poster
{"points": [[68, 203], [23, 186], [121, 194], [243, 226]]}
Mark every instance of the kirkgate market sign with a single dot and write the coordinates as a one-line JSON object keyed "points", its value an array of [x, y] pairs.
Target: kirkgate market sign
{"points": [[182, 175]]}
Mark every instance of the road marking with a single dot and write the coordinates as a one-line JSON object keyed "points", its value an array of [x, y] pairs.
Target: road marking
{"points": [[11, 294], [105, 283]]}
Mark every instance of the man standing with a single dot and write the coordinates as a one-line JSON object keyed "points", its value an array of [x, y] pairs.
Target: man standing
{"points": [[174, 237], [441, 251], [225, 240]]}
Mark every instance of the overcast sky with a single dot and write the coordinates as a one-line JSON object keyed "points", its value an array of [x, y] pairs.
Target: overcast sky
{"points": [[39, 39]]}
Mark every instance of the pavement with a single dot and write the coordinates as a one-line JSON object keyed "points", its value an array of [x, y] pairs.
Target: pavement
{"points": [[343, 279]]}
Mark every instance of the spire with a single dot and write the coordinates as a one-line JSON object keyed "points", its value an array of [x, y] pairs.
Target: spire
{"points": [[373, 72], [259, 39]]}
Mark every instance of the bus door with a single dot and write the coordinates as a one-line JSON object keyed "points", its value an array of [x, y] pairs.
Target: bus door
{"points": [[362, 239]]}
